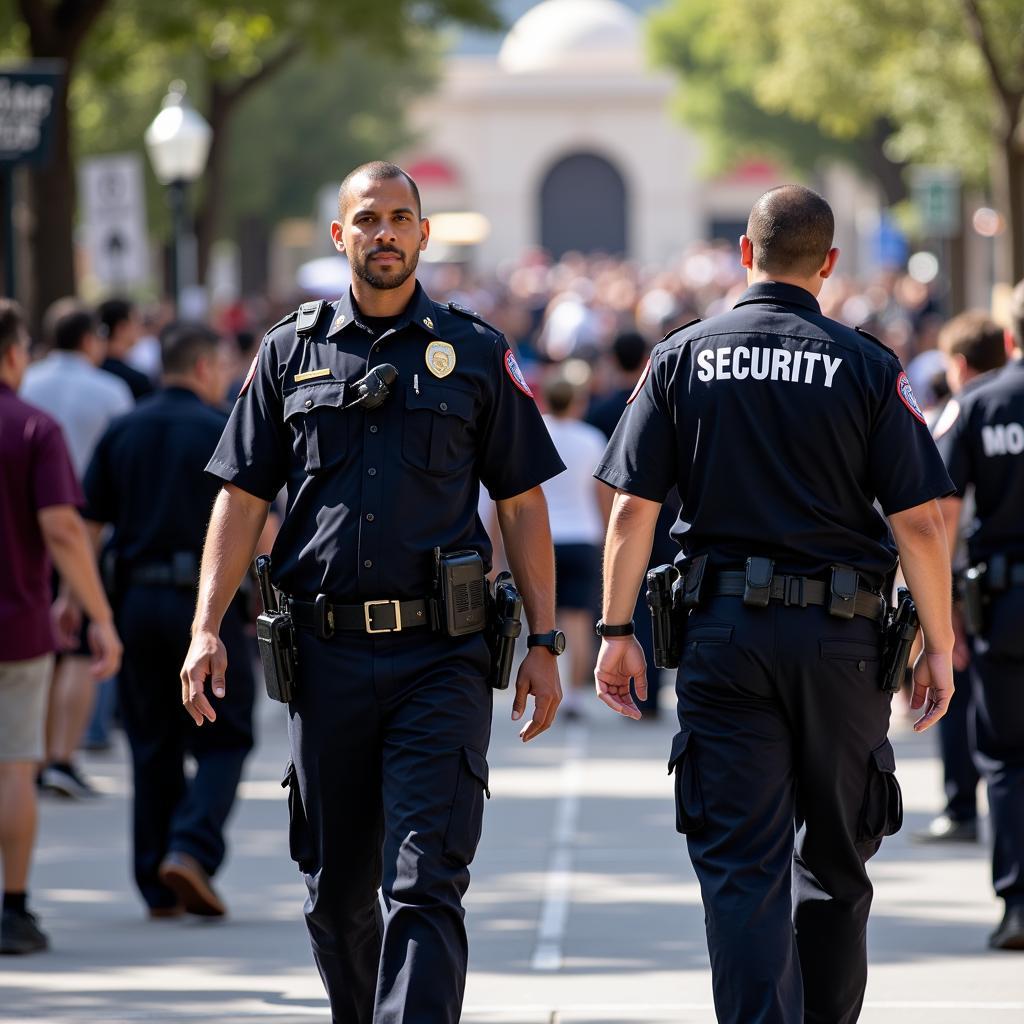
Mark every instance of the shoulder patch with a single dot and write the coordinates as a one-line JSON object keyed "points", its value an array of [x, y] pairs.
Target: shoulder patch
{"points": [[252, 373], [515, 374], [881, 344], [641, 382], [469, 314], [906, 393], [676, 330]]}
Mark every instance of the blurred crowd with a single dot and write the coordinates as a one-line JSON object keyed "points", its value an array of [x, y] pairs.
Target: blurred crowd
{"points": [[583, 326]]}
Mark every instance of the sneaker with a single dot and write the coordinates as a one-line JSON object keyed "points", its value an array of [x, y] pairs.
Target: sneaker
{"points": [[20, 933], [1010, 933], [945, 829], [67, 782], [185, 877]]}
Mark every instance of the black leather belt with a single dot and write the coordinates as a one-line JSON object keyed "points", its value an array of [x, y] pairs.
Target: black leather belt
{"points": [[798, 591], [157, 575], [384, 616]]}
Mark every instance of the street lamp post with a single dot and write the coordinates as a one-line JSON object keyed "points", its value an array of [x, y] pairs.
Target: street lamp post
{"points": [[178, 142]]}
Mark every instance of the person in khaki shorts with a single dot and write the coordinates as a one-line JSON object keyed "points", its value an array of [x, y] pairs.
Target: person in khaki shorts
{"points": [[39, 520]]}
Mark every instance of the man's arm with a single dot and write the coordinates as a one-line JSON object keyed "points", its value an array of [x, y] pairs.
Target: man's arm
{"points": [[627, 552], [921, 536], [951, 509], [69, 546], [526, 534], [235, 526]]}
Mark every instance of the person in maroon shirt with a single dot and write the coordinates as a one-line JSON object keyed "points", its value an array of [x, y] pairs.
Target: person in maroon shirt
{"points": [[39, 521]]}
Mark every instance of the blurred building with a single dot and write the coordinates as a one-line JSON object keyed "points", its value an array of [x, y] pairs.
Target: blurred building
{"points": [[565, 139]]}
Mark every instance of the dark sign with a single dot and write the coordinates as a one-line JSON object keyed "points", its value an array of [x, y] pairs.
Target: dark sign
{"points": [[29, 105]]}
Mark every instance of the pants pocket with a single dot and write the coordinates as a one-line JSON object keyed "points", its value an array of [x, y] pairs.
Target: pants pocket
{"points": [[465, 823], [689, 798], [300, 842], [882, 810]]}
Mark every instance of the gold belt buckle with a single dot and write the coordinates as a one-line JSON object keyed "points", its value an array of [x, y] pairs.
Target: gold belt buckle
{"points": [[397, 628]]}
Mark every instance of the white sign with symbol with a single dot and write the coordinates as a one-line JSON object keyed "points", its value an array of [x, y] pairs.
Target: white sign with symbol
{"points": [[114, 219]]}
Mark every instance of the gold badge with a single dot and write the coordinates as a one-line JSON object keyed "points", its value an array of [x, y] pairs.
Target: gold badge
{"points": [[428, 322], [340, 320], [440, 358]]}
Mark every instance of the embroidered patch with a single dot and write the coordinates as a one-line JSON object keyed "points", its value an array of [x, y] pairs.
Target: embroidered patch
{"points": [[950, 414], [640, 383], [516, 374], [440, 358], [906, 393], [249, 376]]}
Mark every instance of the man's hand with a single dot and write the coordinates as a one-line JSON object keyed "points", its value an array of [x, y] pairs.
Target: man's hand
{"points": [[105, 645], [66, 614], [933, 679], [206, 656], [618, 660], [538, 675]]}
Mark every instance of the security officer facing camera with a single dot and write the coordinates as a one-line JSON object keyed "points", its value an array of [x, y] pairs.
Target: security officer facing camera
{"points": [[381, 414], [780, 429], [981, 437]]}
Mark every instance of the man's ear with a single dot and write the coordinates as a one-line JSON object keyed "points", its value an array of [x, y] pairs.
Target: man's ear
{"points": [[830, 263], [336, 235], [424, 233], [746, 253]]}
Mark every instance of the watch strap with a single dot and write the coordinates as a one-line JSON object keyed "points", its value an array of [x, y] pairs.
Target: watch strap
{"points": [[607, 629]]}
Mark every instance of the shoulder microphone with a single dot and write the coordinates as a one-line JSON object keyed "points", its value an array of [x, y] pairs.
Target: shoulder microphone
{"points": [[373, 390]]}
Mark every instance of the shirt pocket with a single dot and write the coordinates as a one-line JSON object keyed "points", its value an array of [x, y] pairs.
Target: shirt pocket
{"points": [[319, 424], [435, 434]]}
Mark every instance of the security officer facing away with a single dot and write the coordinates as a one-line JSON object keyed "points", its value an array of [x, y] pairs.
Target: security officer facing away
{"points": [[981, 437], [390, 721], [780, 428], [146, 478]]}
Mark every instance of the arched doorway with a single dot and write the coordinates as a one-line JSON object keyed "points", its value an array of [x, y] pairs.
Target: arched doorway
{"points": [[583, 207]]}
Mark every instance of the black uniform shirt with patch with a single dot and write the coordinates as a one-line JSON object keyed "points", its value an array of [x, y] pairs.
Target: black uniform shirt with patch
{"points": [[146, 477], [781, 428], [981, 438], [371, 493]]}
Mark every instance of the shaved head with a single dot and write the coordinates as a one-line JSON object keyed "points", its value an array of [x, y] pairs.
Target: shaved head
{"points": [[791, 230], [377, 170]]}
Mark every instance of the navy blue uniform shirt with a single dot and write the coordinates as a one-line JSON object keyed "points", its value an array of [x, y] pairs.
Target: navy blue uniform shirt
{"points": [[146, 476], [781, 428], [371, 493], [981, 436]]}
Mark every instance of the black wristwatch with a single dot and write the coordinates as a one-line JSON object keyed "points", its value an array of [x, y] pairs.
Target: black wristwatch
{"points": [[602, 629], [553, 641]]}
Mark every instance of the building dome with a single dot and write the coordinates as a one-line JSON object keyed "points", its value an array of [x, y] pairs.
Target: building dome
{"points": [[574, 35]]}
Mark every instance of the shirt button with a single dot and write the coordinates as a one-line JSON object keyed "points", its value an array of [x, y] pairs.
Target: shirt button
{"points": [[369, 517], [861, 665], [371, 471], [368, 564], [309, 403], [444, 407], [373, 428]]}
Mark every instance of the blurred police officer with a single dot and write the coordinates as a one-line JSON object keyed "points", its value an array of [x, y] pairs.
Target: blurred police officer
{"points": [[390, 721], [147, 479], [975, 346], [981, 437], [781, 428]]}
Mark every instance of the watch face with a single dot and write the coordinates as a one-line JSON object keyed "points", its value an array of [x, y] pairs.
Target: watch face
{"points": [[558, 642]]}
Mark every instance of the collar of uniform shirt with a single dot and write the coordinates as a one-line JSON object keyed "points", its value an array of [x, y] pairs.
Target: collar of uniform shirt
{"points": [[776, 291], [420, 312]]}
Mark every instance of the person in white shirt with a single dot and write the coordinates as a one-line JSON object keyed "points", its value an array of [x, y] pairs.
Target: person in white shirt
{"points": [[578, 516], [69, 385]]}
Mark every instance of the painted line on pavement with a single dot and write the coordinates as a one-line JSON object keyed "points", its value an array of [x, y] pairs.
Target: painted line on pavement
{"points": [[547, 955]]}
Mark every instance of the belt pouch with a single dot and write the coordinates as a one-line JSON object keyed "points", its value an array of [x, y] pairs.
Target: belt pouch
{"points": [[693, 581], [842, 597], [757, 588]]}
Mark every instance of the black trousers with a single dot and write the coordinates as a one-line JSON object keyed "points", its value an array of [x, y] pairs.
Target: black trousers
{"points": [[172, 812], [997, 668], [959, 774], [785, 787], [389, 736]]}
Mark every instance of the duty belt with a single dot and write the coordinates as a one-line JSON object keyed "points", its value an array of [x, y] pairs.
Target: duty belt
{"points": [[798, 591], [183, 572], [384, 616]]}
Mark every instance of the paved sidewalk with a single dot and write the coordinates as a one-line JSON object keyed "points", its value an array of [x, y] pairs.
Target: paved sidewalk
{"points": [[583, 909]]}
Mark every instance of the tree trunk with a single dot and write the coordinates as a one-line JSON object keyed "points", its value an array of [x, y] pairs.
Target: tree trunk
{"points": [[208, 214], [886, 172], [52, 213], [1008, 192]]}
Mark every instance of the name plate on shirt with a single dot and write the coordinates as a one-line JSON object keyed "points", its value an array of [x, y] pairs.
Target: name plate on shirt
{"points": [[312, 375]]}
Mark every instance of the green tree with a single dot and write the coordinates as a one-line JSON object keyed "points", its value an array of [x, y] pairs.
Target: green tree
{"points": [[236, 49], [933, 80]]}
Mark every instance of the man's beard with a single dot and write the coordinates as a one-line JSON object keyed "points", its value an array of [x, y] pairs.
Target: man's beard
{"points": [[361, 268]]}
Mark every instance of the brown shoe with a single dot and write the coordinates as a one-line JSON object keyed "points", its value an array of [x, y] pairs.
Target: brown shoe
{"points": [[162, 913], [185, 877]]}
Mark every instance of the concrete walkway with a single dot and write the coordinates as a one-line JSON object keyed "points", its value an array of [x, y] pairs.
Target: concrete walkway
{"points": [[583, 908]]}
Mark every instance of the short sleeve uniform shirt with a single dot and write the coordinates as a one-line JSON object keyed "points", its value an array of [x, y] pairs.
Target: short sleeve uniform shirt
{"points": [[781, 428], [370, 493]]}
